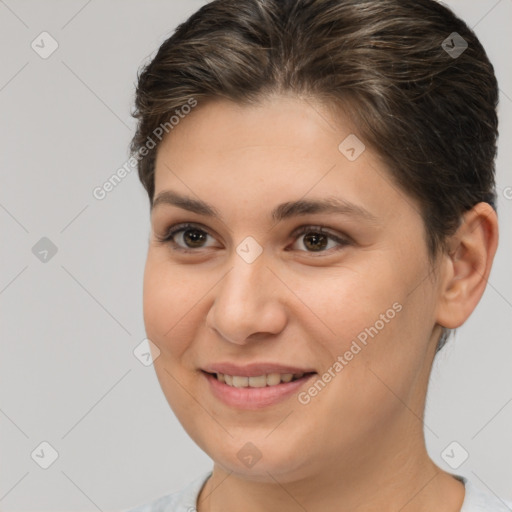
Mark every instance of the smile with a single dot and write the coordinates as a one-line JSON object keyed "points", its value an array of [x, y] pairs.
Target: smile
{"points": [[255, 392], [259, 381]]}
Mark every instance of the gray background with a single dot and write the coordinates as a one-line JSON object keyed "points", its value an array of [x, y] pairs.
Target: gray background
{"points": [[69, 325]]}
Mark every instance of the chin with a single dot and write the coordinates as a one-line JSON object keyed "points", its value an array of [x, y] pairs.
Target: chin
{"points": [[262, 461]]}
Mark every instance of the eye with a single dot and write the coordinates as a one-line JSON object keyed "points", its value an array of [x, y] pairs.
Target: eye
{"points": [[188, 237], [317, 239]]}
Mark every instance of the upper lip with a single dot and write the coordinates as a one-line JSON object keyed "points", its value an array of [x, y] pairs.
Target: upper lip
{"points": [[253, 369]]}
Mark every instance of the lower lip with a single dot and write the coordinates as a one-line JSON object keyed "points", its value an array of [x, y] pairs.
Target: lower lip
{"points": [[254, 398]]}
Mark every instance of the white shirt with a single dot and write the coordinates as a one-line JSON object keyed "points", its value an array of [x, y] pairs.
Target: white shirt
{"points": [[185, 500]]}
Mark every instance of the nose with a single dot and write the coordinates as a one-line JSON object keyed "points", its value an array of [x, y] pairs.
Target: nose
{"points": [[247, 304]]}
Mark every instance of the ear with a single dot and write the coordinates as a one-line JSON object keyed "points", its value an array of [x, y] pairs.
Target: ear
{"points": [[467, 265]]}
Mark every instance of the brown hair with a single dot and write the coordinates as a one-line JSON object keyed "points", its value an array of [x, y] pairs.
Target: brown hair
{"points": [[393, 65]]}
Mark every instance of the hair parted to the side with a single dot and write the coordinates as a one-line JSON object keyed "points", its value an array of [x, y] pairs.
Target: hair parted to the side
{"points": [[431, 117]]}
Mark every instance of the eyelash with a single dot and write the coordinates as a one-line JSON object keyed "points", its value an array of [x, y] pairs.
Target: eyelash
{"points": [[174, 230]]}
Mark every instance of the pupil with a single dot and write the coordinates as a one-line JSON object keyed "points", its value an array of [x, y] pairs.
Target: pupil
{"points": [[194, 240], [315, 237]]}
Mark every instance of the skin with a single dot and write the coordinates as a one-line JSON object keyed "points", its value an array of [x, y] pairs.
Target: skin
{"points": [[359, 444]]}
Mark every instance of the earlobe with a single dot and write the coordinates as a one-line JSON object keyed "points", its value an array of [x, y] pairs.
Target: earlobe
{"points": [[467, 265]]}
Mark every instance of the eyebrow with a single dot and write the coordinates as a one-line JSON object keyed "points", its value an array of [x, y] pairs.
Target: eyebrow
{"points": [[330, 204]]}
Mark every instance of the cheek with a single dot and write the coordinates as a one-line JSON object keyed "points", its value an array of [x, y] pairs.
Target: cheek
{"points": [[384, 333], [170, 305], [348, 301], [169, 299], [376, 316]]}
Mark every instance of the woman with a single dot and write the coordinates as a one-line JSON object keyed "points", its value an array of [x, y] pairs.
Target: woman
{"points": [[321, 182]]}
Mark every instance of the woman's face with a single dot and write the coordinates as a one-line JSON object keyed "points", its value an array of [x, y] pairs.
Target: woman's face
{"points": [[355, 304]]}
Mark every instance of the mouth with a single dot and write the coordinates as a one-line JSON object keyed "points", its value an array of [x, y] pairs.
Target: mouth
{"points": [[257, 391], [258, 381]]}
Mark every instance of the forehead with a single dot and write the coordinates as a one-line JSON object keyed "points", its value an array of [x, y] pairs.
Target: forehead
{"points": [[282, 148], [219, 127]]}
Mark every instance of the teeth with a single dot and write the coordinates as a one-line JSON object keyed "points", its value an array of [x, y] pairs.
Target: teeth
{"points": [[273, 379], [240, 382], [270, 379], [257, 382]]}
